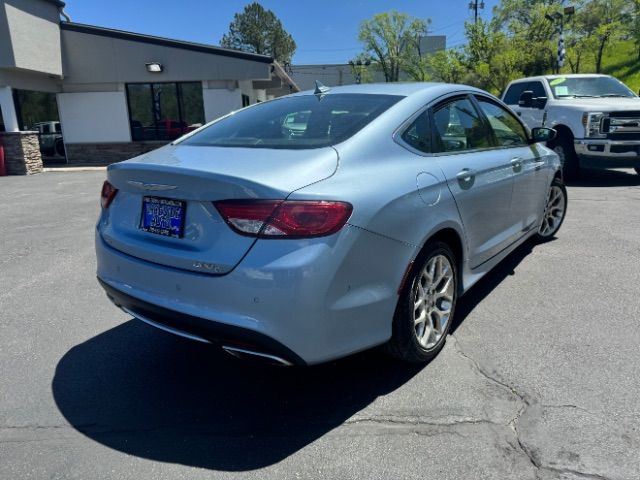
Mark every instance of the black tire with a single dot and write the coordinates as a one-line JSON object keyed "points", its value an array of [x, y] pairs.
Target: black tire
{"points": [[540, 236], [60, 148], [404, 344], [563, 146]]}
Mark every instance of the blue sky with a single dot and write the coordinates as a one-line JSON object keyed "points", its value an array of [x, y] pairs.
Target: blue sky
{"points": [[326, 31]]}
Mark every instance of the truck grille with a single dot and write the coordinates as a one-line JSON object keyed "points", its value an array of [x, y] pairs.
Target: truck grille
{"points": [[622, 125]]}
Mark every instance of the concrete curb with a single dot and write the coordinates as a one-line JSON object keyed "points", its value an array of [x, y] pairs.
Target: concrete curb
{"points": [[73, 169]]}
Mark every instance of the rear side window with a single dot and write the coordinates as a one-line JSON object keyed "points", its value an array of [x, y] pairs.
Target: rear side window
{"points": [[300, 122], [418, 135], [458, 127]]}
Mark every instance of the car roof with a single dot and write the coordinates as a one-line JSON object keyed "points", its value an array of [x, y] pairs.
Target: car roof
{"points": [[404, 89]]}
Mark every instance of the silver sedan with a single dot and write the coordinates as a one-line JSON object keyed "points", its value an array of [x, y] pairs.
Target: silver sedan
{"points": [[313, 226]]}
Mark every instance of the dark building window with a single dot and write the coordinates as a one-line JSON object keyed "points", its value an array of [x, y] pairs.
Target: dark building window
{"points": [[246, 101], [164, 111], [35, 107]]}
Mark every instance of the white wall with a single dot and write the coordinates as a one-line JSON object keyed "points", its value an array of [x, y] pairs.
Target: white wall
{"points": [[94, 117], [220, 101]]}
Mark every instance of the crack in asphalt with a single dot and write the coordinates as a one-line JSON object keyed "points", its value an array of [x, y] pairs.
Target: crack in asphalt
{"points": [[525, 403]]}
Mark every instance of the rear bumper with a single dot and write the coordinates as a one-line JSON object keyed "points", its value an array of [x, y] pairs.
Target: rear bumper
{"points": [[307, 301], [198, 328], [608, 153]]}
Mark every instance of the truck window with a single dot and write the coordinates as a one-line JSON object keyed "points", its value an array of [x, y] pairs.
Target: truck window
{"points": [[513, 93], [537, 88]]}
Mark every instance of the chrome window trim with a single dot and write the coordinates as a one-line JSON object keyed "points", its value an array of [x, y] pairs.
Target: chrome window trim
{"points": [[397, 134]]}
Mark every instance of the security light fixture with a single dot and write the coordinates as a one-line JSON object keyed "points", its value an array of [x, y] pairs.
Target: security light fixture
{"points": [[154, 67]]}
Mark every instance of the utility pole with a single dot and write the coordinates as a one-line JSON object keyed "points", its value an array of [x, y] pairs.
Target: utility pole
{"points": [[558, 20], [475, 5]]}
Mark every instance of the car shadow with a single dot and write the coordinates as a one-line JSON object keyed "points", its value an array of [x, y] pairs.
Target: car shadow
{"points": [[150, 394], [605, 178], [507, 267], [153, 395]]}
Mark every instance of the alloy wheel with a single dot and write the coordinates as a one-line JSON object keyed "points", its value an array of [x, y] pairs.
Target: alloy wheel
{"points": [[433, 295], [554, 212]]}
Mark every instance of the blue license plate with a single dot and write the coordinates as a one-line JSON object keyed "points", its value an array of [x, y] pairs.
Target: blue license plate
{"points": [[163, 216]]}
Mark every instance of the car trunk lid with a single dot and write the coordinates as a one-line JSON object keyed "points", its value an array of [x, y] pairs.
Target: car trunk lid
{"points": [[195, 177]]}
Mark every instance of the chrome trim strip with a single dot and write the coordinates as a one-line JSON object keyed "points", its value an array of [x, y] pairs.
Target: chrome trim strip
{"points": [[238, 352], [164, 327], [154, 187]]}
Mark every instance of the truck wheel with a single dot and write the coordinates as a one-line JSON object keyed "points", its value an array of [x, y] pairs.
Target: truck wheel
{"points": [[563, 146]]}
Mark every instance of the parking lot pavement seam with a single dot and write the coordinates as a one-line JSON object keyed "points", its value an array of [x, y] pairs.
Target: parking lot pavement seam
{"points": [[413, 420]]}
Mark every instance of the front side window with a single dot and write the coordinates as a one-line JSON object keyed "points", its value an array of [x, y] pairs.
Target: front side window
{"points": [[458, 127], [164, 111], [508, 131], [418, 135], [513, 93], [299, 122]]}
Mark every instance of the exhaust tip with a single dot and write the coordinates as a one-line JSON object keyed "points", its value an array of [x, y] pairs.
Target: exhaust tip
{"points": [[267, 358]]}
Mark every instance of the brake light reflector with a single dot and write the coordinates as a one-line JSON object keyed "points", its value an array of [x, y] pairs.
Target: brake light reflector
{"points": [[107, 194], [284, 219]]}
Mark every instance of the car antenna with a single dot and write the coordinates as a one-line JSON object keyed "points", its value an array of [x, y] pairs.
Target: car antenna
{"points": [[320, 89]]}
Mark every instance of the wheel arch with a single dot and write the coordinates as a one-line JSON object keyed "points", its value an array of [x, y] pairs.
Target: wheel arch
{"points": [[563, 132], [452, 236]]}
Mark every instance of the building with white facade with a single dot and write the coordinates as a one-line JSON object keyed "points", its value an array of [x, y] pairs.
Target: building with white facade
{"points": [[117, 94]]}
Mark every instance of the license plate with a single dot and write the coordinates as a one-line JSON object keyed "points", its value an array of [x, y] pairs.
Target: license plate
{"points": [[163, 216]]}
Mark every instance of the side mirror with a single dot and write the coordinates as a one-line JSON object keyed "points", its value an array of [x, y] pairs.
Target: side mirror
{"points": [[540, 102], [526, 99], [542, 134]]}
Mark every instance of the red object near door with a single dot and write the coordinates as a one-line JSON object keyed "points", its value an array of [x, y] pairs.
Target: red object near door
{"points": [[3, 170]]}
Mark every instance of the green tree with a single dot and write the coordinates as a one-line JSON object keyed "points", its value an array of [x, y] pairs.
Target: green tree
{"points": [[447, 66], [607, 18], [257, 30], [525, 23], [390, 38], [634, 25], [493, 58]]}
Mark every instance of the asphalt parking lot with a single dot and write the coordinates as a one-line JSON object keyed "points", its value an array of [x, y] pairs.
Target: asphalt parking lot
{"points": [[538, 380]]}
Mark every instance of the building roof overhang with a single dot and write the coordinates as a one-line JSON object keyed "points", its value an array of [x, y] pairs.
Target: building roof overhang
{"points": [[166, 42]]}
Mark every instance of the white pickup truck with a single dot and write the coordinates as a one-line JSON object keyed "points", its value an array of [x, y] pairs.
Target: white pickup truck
{"points": [[597, 118]]}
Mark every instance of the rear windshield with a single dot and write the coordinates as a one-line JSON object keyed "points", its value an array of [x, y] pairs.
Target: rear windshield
{"points": [[300, 122]]}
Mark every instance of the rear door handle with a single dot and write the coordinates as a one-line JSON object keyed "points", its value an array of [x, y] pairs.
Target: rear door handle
{"points": [[516, 164]]}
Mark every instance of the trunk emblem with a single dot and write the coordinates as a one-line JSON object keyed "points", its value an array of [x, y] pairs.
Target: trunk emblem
{"points": [[151, 186]]}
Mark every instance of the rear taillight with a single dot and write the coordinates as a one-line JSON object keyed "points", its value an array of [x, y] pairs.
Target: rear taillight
{"points": [[107, 194], [284, 219]]}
